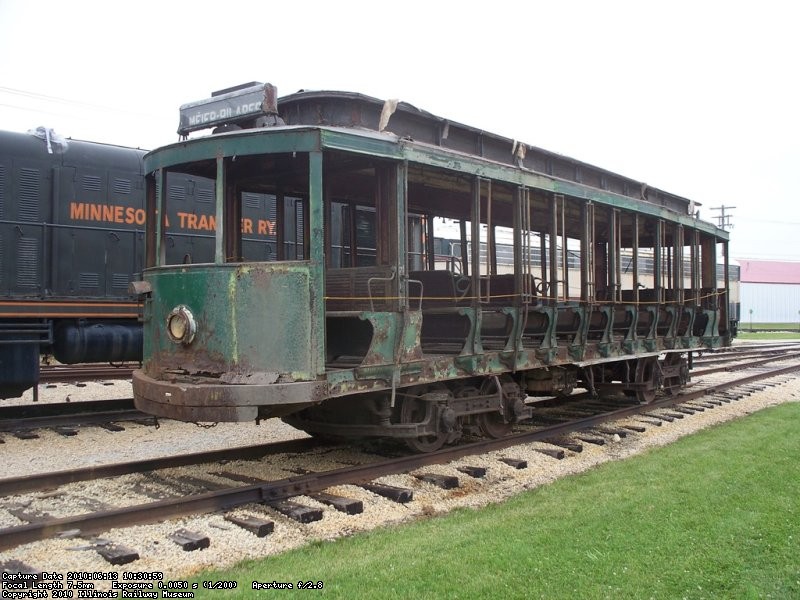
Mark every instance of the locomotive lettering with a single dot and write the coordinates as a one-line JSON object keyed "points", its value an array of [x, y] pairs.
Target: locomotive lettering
{"points": [[201, 222], [108, 213], [85, 246], [127, 215]]}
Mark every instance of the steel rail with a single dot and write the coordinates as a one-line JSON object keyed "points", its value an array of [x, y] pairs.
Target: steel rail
{"points": [[746, 366], [282, 489], [50, 409], [74, 420], [73, 414], [713, 359], [65, 374], [32, 483], [746, 347]]}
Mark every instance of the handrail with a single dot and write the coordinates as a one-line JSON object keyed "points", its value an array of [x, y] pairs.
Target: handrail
{"points": [[369, 286]]}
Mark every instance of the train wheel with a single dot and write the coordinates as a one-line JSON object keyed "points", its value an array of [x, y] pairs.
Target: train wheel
{"points": [[649, 373], [677, 370], [414, 410], [492, 424]]}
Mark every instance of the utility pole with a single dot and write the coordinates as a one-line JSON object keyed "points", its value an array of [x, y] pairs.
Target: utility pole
{"points": [[724, 219]]}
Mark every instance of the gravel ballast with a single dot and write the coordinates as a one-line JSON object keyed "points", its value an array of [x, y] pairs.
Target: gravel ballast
{"points": [[229, 543]]}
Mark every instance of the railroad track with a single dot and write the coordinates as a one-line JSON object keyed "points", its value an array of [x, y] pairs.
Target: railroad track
{"points": [[747, 362], [67, 418], [277, 492], [72, 373], [749, 347], [743, 355]]}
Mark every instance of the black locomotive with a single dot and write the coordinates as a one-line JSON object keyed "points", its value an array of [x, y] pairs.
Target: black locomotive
{"points": [[71, 241]]}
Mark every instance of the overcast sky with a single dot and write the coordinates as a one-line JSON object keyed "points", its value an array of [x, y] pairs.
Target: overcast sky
{"points": [[697, 98]]}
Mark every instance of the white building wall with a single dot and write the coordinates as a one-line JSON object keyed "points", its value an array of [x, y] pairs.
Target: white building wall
{"points": [[770, 303]]}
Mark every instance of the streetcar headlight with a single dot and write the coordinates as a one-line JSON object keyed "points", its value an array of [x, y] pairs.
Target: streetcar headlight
{"points": [[181, 325]]}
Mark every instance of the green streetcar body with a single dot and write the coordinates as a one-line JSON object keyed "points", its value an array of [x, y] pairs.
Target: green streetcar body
{"points": [[334, 319]]}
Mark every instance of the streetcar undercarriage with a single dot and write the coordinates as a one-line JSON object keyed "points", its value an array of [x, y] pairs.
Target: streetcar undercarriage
{"points": [[429, 416]]}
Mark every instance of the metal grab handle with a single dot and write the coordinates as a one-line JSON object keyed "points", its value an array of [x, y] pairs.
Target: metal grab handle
{"points": [[462, 287], [369, 286], [421, 291]]}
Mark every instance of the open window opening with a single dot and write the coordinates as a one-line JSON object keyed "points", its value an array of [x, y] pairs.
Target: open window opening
{"points": [[253, 208]]}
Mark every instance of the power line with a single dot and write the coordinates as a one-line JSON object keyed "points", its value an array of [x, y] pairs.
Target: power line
{"points": [[69, 102], [38, 96], [38, 110], [774, 222]]}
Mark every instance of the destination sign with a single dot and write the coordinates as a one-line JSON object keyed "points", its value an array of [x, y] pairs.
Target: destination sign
{"points": [[238, 105]]}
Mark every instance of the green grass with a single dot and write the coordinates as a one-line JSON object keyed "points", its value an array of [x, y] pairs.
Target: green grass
{"points": [[743, 334], [773, 326], [714, 515], [768, 331]]}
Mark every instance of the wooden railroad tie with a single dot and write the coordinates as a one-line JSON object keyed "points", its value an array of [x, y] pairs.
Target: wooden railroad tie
{"points": [[255, 525], [117, 554], [189, 540], [397, 494], [340, 503], [516, 463], [446, 482], [296, 511], [552, 452], [476, 472]]}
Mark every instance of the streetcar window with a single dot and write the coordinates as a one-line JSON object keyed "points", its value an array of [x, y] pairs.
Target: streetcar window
{"points": [[259, 227], [417, 242], [365, 236], [264, 208], [189, 236], [294, 225], [352, 235]]}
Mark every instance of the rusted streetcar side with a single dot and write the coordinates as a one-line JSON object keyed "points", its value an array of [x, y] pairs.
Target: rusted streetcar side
{"points": [[426, 278]]}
